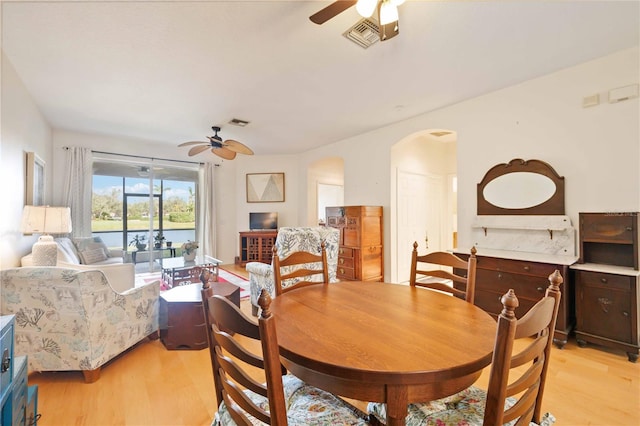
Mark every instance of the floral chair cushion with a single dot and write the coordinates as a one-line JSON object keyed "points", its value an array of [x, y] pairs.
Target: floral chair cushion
{"points": [[289, 240], [465, 408], [306, 406]]}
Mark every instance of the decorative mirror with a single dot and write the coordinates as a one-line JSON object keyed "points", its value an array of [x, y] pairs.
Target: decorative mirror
{"points": [[521, 187]]}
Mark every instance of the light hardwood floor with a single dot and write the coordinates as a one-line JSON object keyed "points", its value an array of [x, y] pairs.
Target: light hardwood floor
{"points": [[149, 385]]}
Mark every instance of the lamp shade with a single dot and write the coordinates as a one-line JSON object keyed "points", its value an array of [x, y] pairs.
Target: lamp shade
{"points": [[45, 220]]}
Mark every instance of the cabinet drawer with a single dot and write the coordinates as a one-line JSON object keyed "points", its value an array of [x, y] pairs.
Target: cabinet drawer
{"points": [[611, 228], [491, 303], [525, 287], [345, 252], [346, 262], [517, 266], [346, 273], [6, 354], [598, 279]]}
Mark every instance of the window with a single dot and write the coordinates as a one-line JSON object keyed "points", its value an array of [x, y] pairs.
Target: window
{"points": [[130, 199]]}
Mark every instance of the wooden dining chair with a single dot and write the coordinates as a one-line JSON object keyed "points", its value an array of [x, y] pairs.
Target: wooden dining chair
{"points": [[517, 377], [299, 269], [431, 276], [251, 383]]}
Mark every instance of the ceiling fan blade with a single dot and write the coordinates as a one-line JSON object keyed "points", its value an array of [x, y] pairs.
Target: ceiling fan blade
{"points": [[192, 143], [198, 149], [330, 11], [223, 152], [238, 147]]}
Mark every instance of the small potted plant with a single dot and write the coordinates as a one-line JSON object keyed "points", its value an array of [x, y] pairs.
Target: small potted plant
{"points": [[138, 242], [158, 239], [189, 250]]}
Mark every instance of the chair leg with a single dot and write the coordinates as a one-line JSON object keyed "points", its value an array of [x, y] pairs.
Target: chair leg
{"points": [[91, 376]]}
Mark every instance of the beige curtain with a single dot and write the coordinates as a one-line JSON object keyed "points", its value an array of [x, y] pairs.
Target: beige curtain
{"points": [[77, 189], [206, 209]]}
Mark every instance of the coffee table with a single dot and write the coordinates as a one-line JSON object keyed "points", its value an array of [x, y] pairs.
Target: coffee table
{"points": [[176, 271], [182, 324]]}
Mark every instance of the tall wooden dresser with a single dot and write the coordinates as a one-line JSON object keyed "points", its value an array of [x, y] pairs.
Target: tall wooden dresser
{"points": [[361, 254], [606, 277]]}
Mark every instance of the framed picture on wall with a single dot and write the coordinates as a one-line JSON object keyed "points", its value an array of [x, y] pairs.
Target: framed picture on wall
{"points": [[34, 183], [265, 187]]}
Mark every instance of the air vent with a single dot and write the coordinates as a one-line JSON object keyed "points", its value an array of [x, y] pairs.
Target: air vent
{"points": [[238, 122], [364, 33]]}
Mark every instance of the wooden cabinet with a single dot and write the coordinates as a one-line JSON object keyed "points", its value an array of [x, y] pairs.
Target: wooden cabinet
{"points": [[256, 246], [18, 400], [607, 282], [529, 279], [361, 254]]}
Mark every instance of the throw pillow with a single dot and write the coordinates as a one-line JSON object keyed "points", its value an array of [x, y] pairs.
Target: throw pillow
{"points": [[95, 255], [90, 243]]}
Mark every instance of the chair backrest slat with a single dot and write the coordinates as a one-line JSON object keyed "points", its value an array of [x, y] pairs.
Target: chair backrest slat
{"points": [[525, 384], [308, 265], [437, 278]]}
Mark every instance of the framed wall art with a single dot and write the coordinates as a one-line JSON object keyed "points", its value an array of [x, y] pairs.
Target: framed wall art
{"points": [[265, 187], [34, 183]]}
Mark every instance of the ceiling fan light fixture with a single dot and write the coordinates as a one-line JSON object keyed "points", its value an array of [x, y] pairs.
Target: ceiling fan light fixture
{"points": [[366, 7], [388, 12]]}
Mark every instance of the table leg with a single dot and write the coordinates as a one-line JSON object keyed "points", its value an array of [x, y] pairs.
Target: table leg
{"points": [[133, 257], [397, 403]]}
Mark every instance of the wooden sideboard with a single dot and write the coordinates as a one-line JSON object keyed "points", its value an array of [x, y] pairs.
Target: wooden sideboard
{"points": [[256, 246], [361, 254], [528, 275], [607, 297]]}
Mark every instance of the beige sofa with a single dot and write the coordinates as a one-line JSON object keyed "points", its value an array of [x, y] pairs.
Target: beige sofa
{"points": [[92, 253]]}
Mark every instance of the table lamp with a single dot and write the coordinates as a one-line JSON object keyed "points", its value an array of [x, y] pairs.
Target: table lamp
{"points": [[45, 220]]}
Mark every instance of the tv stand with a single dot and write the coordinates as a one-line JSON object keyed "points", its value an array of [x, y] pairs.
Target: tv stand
{"points": [[256, 246]]}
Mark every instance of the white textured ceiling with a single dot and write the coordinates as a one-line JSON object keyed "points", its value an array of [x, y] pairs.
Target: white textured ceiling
{"points": [[168, 71]]}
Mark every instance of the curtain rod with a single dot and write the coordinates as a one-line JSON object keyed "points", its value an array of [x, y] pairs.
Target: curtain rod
{"points": [[148, 158]]}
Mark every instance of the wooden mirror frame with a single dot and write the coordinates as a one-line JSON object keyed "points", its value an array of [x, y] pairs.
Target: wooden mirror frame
{"points": [[552, 206]]}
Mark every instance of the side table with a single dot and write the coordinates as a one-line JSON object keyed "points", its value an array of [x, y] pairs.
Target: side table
{"points": [[182, 324]]}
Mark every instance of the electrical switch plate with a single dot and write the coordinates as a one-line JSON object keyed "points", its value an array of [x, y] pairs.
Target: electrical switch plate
{"points": [[590, 101]]}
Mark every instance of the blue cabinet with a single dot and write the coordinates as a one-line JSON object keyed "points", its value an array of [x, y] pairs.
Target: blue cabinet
{"points": [[19, 402]]}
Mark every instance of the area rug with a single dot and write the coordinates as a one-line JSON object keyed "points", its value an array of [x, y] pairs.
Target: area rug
{"points": [[223, 276]]}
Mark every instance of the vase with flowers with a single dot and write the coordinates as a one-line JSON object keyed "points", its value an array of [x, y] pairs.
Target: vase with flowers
{"points": [[189, 250]]}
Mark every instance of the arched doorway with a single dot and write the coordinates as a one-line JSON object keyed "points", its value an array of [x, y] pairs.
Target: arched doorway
{"points": [[325, 179], [423, 198]]}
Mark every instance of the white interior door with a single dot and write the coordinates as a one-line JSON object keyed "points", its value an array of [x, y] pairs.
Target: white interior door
{"points": [[419, 208]]}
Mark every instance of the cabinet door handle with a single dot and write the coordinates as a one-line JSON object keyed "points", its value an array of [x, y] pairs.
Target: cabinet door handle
{"points": [[500, 277], [342, 271], [341, 251], [526, 268], [540, 289], [603, 280], [6, 361], [341, 261], [625, 313], [629, 228]]}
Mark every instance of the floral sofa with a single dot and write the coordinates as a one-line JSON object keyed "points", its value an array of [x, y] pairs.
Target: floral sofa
{"points": [[69, 319], [92, 253], [289, 240]]}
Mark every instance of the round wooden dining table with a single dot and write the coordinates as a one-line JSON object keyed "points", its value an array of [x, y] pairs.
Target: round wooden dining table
{"points": [[382, 342]]}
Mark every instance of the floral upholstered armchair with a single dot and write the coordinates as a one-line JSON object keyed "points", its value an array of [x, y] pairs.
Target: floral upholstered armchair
{"points": [[70, 319], [289, 240]]}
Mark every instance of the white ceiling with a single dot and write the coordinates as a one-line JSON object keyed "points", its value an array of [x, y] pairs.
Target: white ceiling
{"points": [[168, 71]]}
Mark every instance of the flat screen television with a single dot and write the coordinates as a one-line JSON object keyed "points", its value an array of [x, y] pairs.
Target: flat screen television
{"points": [[263, 221]]}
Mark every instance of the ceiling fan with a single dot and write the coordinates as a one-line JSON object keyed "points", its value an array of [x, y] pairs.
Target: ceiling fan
{"points": [[387, 13], [226, 149]]}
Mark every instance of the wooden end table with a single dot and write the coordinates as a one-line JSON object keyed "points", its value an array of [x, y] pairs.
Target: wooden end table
{"points": [[182, 324]]}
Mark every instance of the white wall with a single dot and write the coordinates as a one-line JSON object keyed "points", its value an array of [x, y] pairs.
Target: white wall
{"points": [[595, 149], [24, 129]]}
